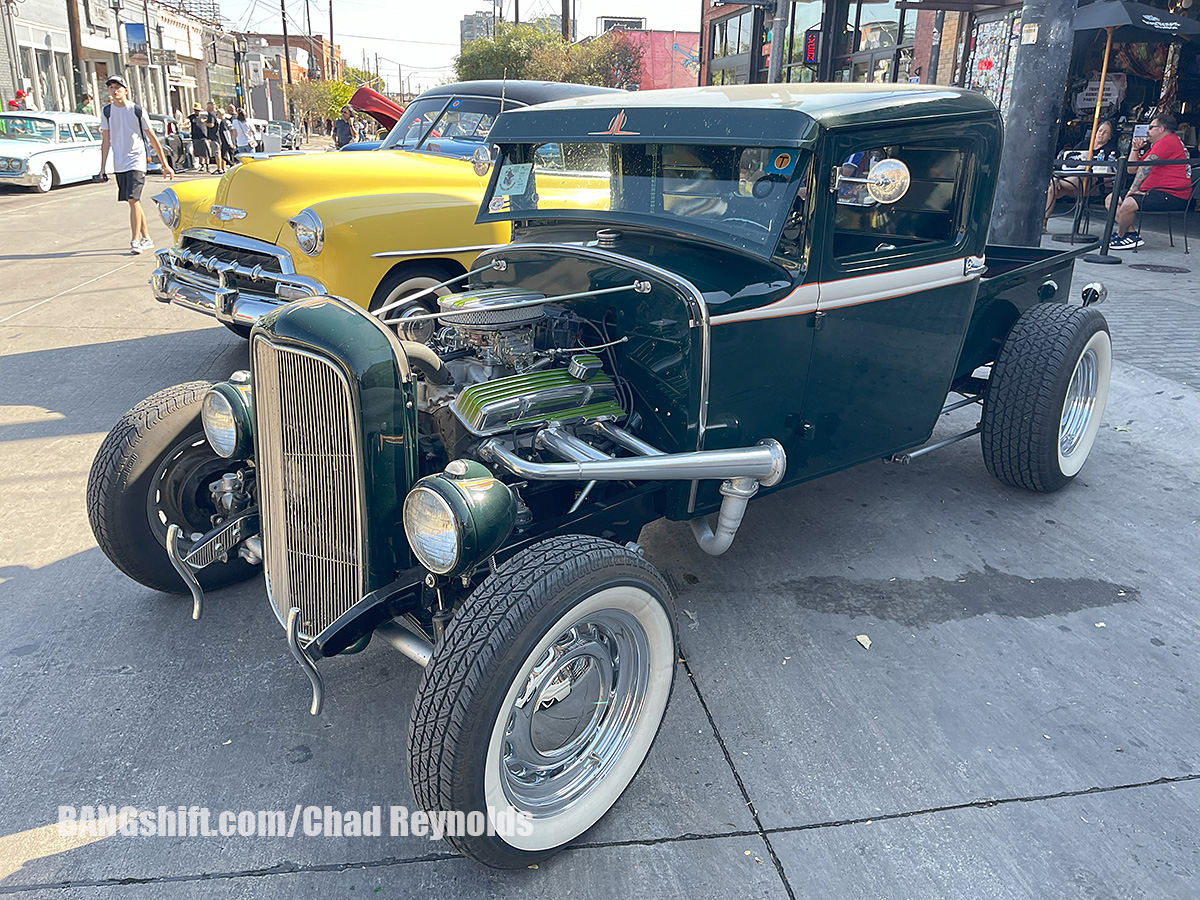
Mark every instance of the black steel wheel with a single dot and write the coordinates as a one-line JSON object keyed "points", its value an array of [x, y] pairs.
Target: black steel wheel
{"points": [[153, 470], [543, 697], [1046, 396]]}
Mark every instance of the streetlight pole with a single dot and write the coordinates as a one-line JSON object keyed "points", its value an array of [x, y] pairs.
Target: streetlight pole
{"points": [[287, 61]]}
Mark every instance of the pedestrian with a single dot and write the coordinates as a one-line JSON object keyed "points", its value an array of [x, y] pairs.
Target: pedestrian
{"points": [[344, 131], [86, 106], [225, 138], [199, 137], [124, 129], [20, 101], [1154, 188], [243, 133], [212, 126]]}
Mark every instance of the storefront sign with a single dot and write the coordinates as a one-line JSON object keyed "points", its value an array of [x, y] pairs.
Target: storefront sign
{"points": [[1114, 92], [812, 43]]}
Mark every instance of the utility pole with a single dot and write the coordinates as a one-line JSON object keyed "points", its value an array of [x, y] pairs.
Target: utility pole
{"points": [[516, 12], [1034, 117], [566, 20], [76, 53], [287, 61], [308, 29], [332, 73], [778, 40], [377, 68]]}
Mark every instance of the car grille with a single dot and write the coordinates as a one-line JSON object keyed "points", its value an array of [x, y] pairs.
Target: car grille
{"points": [[310, 477], [204, 258]]}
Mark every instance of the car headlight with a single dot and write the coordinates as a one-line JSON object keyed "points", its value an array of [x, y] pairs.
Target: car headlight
{"points": [[168, 208], [310, 234], [457, 519], [225, 415], [9, 164]]}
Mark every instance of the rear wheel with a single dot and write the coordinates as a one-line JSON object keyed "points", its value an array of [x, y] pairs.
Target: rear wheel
{"points": [[1046, 396], [153, 470], [543, 697]]}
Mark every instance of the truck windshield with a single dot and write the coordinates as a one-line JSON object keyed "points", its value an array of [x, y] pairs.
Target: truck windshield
{"points": [[734, 195]]}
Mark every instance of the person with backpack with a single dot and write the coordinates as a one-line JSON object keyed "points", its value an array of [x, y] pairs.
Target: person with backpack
{"points": [[124, 129]]}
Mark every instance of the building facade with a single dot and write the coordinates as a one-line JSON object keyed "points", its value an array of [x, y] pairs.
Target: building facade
{"points": [[39, 40]]}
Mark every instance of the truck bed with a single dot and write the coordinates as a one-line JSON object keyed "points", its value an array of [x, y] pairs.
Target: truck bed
{"points": [[1016, 278]]}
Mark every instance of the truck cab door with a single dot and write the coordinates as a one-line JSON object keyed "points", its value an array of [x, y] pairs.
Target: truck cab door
{"points": [[895, 296]]}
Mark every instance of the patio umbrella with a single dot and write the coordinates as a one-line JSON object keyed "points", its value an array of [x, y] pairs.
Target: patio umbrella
{"points": [[1132, 22]]}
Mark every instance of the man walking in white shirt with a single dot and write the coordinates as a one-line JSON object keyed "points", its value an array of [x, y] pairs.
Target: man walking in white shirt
{"points": [[125, 130]]}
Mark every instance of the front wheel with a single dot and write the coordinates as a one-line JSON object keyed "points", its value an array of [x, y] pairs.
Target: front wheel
{"points": [[1046, 396], [543, 697], [152, 471], [45, 179]]}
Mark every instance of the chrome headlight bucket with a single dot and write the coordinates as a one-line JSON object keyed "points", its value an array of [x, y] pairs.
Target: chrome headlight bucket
{"points": [[310, 233], [456, 520], [11, 164], [226, 415], [168, 208]]}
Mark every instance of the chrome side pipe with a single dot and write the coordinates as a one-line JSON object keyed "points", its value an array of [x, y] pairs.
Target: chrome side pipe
{"points": [[416, 648], [741, 470], [765, 462]]}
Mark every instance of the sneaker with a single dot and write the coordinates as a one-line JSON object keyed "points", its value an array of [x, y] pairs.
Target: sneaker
{"points": [[1128, 242], [146, 243], [135, 247]]}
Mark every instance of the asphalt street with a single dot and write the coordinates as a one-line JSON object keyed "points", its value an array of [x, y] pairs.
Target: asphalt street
{"points": [[1023, 725]]}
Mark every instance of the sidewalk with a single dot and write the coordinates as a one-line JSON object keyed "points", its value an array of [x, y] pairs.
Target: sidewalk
{"points": [[1153, 306]]}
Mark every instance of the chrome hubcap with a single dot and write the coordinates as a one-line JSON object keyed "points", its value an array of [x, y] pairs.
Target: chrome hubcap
{"points": [[576, 712], [46, 179], [1080, 404]]}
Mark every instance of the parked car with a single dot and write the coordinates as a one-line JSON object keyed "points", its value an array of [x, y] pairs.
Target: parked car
{"points": [[290, 135], [176, 143], [373, 227], [699, 305], [41, 150]]}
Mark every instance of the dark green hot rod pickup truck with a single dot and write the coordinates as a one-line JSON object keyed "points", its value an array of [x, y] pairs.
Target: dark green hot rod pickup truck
{"points": [[711, 294]]}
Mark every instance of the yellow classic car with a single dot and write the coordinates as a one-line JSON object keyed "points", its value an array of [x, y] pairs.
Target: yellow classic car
{"points": [[370, 226]]}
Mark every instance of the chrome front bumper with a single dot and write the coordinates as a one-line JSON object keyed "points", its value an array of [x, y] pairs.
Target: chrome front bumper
{"points": [[208, 273]]}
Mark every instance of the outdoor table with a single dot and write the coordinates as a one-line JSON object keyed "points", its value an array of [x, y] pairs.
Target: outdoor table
{"points": [[1085, 171], [1104, 257]]}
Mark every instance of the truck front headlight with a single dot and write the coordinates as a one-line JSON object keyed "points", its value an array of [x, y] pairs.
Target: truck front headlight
{"points": [[225, 415], [433, 531], [168, 208], [310, 234], [457, 519]]}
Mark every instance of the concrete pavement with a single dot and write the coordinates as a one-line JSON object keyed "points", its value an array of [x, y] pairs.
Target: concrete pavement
{"points": [[1024, 723]]}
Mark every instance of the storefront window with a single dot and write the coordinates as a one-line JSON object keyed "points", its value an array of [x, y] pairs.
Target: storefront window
{"points": [[804, 37]]}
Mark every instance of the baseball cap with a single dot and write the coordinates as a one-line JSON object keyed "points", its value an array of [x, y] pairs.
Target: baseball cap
{"points": [[19, 94], [117, 79]]}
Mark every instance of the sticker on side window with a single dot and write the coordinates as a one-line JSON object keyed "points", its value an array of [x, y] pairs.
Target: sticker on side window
{"points": [[513, 179]]}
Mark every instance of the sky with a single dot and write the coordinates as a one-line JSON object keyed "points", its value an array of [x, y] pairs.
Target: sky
{"points": [[426, 33]]}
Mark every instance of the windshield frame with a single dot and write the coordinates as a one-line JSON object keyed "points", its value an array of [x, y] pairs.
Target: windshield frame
{"points": [[781, 201]]}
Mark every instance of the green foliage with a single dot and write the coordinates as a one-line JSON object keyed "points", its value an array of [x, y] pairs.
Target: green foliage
{"points": [[529, 52], [358, 77]]}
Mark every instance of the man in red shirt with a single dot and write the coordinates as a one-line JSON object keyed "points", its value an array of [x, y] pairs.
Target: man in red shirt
{"points": [[1170, 184]]}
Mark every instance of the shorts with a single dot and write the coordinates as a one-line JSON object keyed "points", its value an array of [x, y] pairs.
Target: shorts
{"points": [[1160, 201], [129, 185]]}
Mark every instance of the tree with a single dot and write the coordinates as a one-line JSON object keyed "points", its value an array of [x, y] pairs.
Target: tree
{"points": [[507, 55], [525, 51]]}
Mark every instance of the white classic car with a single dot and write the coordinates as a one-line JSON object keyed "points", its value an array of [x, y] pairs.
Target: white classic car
{"points": [[42, 150]]}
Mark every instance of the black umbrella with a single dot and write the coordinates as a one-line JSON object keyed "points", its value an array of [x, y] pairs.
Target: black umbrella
{"points": [[1131, 22]]}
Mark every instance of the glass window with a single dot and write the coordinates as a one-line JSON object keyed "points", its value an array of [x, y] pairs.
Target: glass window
{"points": [[733, 195], [24, 128], [926, 215], [81, 133], [447, 121], [64, 133], [745, 32]]}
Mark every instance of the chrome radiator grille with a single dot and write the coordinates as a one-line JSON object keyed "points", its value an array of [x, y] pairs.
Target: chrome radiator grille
{"points": [[310, 480]]}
